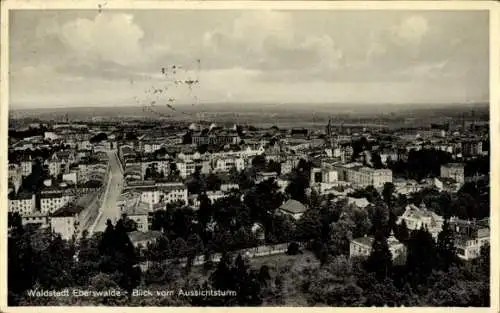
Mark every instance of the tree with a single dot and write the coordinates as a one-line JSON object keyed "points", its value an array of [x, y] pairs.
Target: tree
{"points": [[264, 275], [421, 256], [309, 226], [274, 166], [246, 283], [21, 269], [293, 249], [401, 232], [187, 139], [380, 260], [88, 258], [334, 285], [118, 256], [160, 250], [379, 217], [194, 246], [180, 248], [387, 194], [376, 160], [446, 251], [205, 213], [259, 162], [341, 234], [234, 175], [98, 138]]}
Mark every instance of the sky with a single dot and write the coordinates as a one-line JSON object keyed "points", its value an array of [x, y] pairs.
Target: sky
{"points": [[61, 58]]}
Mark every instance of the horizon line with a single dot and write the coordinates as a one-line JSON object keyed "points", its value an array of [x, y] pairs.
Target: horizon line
{"points": [[480, 102]]}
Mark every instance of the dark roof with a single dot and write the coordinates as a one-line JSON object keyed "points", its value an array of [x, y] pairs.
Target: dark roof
{"points": [[20, 196], [74, 207]]}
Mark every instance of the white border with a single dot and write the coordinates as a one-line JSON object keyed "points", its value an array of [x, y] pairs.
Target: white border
{"points": [[492, 6]]}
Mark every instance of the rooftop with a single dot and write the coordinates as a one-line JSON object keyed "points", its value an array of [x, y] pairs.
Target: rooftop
{"points": [[137, 236], [293, 206], [74, 207]]}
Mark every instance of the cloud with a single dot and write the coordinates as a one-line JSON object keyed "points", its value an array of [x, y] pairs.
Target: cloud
{"points": [[250, 55], [265, 40], [411, 30], [108, 37]]}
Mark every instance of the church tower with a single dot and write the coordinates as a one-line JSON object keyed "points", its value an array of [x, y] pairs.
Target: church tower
{"points": [[330, 139]]}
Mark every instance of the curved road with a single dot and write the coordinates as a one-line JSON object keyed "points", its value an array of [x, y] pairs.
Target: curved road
{"points": [[109, 208]]}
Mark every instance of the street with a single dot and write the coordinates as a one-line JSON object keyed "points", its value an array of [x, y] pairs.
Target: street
{"points": [[109, 209]]}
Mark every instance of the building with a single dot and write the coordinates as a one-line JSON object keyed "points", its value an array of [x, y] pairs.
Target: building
{"points": [[406, 187], [138, 212], [211, 195], [263, 176], [91, 169], [153, 193], [293, 208], [215, 137], [143, 239], [472, 148], [52, 199], [363, 176], [15, 176], [22, 203], [70, 219], [418, 217], [186, 168], [41, 220], [225, 187], [469, 245], [224, 165], [362, 248], [453, 170], [26, 165]]}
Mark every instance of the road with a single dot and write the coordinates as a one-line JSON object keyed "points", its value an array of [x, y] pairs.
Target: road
{"points": [[109, 209]]}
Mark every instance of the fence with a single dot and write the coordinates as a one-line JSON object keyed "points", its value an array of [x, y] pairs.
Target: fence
{"points": [[260, 251]]}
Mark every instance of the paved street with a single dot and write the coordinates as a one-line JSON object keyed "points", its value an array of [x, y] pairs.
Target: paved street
{"points": [[109, 209]]}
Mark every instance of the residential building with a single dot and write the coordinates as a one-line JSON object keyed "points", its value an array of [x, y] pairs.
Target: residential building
{"points": [[22, 203], [26, 165], [153, 193], [70, 219], [453, 170], [418, 217], [138, 212], [362, 248], [472, 148], [39, 219], [143, 239], [226, 164], [363, 176], [52, 199], [293, 208], [262, 176], [469, 245]]}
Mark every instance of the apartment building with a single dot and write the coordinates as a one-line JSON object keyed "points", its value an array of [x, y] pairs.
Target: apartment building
{"points": [[52, 199], [363, 176], [469, 245], [69, 219], [224, 165], [22, 203], [453, 170], [153, 193]]}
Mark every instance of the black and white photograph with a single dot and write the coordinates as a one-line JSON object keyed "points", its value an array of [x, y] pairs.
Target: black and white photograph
{"points": [[248, 156]]}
